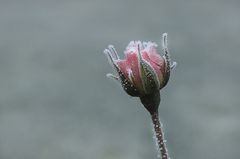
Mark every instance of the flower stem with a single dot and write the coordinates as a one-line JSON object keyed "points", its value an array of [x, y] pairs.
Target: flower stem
{"points": [[159, 136]]}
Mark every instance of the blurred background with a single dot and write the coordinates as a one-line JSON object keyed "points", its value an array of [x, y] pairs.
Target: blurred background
{"points": [[56, 102]]}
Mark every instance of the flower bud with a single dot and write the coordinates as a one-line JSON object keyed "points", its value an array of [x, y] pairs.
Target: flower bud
{"points": [[143, 72]]}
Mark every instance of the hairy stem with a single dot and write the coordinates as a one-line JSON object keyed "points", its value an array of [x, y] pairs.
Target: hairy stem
{"points": [[159, 136]]}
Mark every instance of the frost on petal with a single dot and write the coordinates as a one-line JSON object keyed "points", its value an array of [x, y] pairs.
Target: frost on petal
{"points": [[131, 48], [130, 66], [114, 61], [127, 77], [156, 61], [154, 57]]}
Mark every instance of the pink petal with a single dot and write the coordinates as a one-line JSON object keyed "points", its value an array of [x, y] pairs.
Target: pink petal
{"points": [[156, 61], [131, 63]]}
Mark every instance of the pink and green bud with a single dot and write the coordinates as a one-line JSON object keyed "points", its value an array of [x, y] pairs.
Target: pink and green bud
{"points": [[143, 72]]}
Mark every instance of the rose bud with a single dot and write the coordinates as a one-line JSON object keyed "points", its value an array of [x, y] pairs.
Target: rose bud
{"points": [[143, 72]]}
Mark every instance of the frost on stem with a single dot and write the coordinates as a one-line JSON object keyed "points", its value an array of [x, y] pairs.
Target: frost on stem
{"points": [[159, 137]]}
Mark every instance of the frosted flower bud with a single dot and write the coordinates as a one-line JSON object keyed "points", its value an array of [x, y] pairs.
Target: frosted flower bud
{"points": [[143, 72]]}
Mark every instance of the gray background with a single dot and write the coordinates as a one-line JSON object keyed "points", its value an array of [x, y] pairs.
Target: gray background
{"points": [[56, 103]]}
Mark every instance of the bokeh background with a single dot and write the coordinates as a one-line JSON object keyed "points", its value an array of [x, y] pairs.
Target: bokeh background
{"points": [[56, 103]]}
